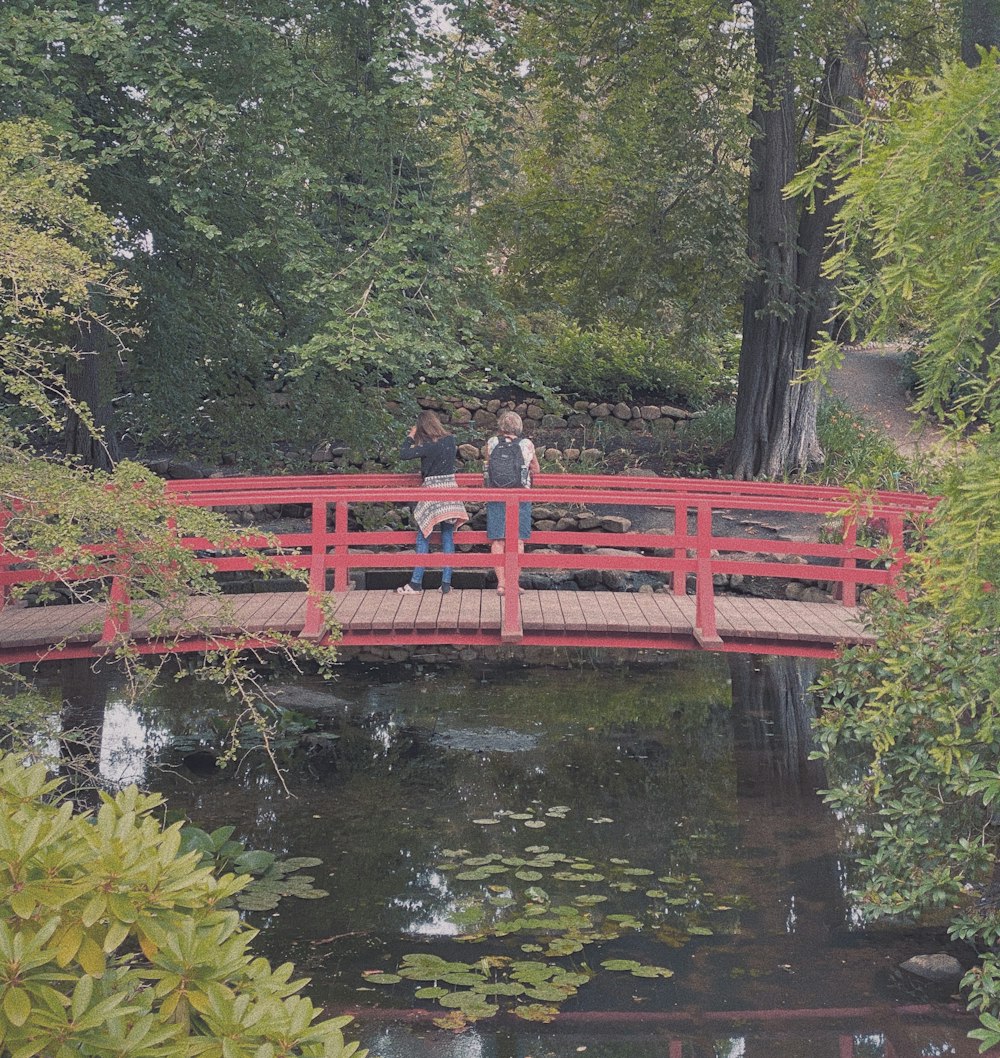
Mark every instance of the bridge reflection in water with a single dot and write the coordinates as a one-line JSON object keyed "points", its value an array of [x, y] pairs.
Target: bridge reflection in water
{"points": [[843, 541]]}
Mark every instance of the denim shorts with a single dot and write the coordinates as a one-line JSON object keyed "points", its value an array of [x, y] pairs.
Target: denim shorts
{"points": [[495, 515]]}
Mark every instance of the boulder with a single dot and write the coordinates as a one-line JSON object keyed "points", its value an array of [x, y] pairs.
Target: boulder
{"points": [[532, 411], [554, 454], [588, 521], [485, 420], [461, 415], [794, 590], [588, 578], [937, 967], [572, 455], [600, 411], [545, 525], [614, 523], [467, 452], [650, 412], [553, 422], [566, 525], [493, 406], [622, 411], [674, 413], [592, 453]]}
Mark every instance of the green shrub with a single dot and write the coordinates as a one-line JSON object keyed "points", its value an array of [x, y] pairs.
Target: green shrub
{"points": [[611, 361], [858, 453], [114, 943]]}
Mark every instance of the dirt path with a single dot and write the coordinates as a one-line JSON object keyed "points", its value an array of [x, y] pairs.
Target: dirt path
{"points": [[870, 383]]}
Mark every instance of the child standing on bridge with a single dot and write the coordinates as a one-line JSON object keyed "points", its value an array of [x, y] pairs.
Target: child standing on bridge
{"points": [[431, 443], [510, 462]]}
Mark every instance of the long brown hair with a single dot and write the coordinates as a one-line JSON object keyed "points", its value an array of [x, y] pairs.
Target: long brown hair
{"points": [[429, 428]]}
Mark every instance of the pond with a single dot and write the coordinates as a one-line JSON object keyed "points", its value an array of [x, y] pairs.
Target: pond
{"points": [[602, 858]]}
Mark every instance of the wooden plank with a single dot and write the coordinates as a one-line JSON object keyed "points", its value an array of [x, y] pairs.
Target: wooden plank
{"points": [[769, 625], [552, 613], [531, 612], [593, 614], [469, 612], [30, 626], [406, 612], [489, 611], [362, 619], [346, 605], [736, 619], [617, 621], [678, 612], [447, 620], [633, 612], [263, 619], [384, 617], [427, 614], [785, 622], [291, 615], [656, 621], [573, 616], [821, 622]]}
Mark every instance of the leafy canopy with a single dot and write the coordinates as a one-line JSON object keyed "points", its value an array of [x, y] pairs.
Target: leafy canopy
{"points": [[917, 232]]}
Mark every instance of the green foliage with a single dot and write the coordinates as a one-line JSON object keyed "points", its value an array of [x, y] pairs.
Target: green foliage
{"points": [[114, 943], [626, 200], [858, 453], [917, 231], [611, 361], [270, 878], [55, 270], [911, 727]]}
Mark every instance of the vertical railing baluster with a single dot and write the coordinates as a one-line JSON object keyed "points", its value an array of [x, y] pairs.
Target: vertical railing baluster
{"points": [[511, 625], [118, 619], [850, 540], [313, 626], [341, 567], [678, 579], [705, 630]]}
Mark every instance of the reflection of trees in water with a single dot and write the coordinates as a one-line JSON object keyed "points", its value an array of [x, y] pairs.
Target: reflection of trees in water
{"points": [[773, 710]]}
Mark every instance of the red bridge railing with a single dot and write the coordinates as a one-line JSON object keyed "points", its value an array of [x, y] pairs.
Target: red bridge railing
{"points": [[331, 547]]}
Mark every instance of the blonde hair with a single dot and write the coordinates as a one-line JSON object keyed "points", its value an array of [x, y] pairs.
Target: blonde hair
{"points": [[509, 422]]}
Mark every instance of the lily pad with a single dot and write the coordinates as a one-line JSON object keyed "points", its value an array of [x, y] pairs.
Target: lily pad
{"points": [[528, 876], [430, 993], [485, 822], [563, 946], [621, 964], [700, 931], [379, 978], [535, 824], [652, 971], [535, 1012], [536, 848]]}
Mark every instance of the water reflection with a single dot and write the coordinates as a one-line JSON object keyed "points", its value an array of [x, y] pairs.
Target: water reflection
{"points": [[696, 769]]}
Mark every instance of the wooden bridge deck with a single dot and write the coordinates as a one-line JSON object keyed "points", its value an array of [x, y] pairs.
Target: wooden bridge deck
{"points": [[474, 617]]}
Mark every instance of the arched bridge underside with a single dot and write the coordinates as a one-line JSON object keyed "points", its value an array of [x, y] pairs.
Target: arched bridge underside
{"points": [[698, 539]]}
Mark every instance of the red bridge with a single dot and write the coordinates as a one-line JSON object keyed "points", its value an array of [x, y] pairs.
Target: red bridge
{"points": [[707, 531]]}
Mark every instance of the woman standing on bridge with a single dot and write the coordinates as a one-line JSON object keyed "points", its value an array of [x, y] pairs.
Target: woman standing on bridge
{"points": [[431, 443]]}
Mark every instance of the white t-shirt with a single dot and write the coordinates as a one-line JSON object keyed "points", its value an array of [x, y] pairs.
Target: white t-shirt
{"points": [[527, 452]]}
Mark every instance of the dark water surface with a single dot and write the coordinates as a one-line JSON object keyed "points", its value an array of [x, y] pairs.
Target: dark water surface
{"points": [[695, 770]]}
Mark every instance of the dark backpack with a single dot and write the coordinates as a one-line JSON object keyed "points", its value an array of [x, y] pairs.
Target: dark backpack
{"points": [[505, 468]]}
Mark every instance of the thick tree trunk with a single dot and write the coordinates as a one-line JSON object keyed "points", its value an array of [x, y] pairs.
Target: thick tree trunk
{"points": [[787, 300], [90, 380], [980, 26]]}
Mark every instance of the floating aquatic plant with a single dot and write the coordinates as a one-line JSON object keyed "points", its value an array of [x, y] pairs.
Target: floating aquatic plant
{"points": [[580, 904]]}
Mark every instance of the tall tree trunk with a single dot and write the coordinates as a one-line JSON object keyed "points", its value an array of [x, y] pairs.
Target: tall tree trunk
{"points": [[980, 26], [787, 300], [91, 380]]}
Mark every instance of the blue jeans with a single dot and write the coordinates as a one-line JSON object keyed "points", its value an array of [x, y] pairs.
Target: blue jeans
{"points": [[423, 547]]}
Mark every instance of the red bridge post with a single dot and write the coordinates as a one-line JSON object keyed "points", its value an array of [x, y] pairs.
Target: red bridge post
{"points": [[705, 629]]}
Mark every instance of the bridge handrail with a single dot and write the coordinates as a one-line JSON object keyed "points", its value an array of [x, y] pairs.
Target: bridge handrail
{"points": [[692, 547]]}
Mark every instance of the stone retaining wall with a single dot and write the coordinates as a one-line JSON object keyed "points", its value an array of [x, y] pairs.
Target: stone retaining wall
{"points": [[478, 418]]}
